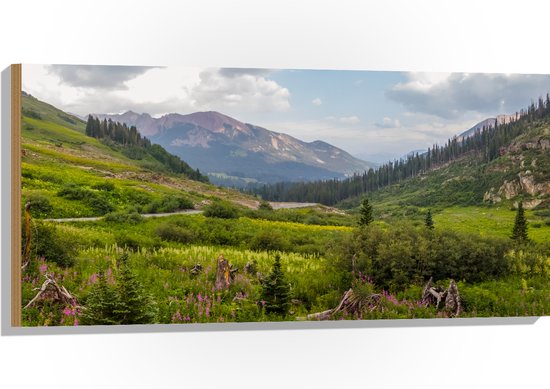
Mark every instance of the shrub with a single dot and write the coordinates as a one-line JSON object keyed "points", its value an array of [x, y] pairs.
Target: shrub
{"points": [[74, 192], [174, 233], [404, 255], [268, 241], [127, 241], [97, 201], [221, 210], [129, 215], [99, 204], [168, 204], [49, 243], [40, 205], [106, 186], [31, 113], [265, 206]]}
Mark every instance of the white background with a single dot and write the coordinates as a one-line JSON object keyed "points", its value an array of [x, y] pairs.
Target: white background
{"points": [[391, 35]]}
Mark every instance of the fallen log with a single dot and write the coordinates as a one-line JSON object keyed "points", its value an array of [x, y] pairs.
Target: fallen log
{"points": [[51, 289], [351, 304]]}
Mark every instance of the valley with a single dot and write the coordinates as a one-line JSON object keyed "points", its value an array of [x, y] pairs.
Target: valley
{"points": [[127, 225]]}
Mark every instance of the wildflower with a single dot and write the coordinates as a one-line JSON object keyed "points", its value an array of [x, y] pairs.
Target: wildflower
{"points": [[75, 322], [93, 279], [68, 311], [177, 317], [43, 268]]}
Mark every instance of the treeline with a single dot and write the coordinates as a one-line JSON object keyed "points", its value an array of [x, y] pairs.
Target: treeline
{"points": [[488, 143], [136, 146]]}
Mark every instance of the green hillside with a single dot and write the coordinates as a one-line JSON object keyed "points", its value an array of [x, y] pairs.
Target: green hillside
{"points": [[73, 175]]}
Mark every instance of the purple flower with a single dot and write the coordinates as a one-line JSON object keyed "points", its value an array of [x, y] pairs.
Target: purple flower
{"points": [[93, 278], [177, 317], [43, 268]]}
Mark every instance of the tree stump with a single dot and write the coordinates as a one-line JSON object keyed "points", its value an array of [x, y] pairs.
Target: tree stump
{"points": [[225, 273], [196, 269], [452, 300], [447, 300]]}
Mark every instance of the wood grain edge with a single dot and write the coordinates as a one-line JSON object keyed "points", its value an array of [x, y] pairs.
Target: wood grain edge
{"points": [[16, 87]]}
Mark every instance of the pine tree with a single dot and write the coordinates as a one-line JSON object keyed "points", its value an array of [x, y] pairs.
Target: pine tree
{"points": [[134, 305], [519, 232], [365, 212], [101, 304], [429, 221], [275, 290]]}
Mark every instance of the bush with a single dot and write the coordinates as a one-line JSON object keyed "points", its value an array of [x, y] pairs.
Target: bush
{"points": [[168, 204], [174, 233], [75, 192], [31, 113], [127, 241], [129, 215], [106, 186], [221, 210], [265, 206], [40, 205], [404, 255], [269, 241], [99, 204], [49, 243], [94, 200]]}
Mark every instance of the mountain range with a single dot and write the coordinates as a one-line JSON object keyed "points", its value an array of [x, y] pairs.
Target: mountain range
{"points": [[487, 123], [237, 153]]}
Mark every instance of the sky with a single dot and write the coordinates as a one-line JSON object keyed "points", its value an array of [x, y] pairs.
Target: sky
{"points": [[374, 115]]}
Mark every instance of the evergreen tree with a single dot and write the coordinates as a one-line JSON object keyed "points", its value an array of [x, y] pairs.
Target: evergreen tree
{"points": [[275, 290], [365, 212], [101, 304], [265, 206], [134, 306], [429, 221], [519, 232]]}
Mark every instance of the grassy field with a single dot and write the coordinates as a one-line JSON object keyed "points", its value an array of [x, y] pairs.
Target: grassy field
{"points": [[490, 221], [67, 174]]}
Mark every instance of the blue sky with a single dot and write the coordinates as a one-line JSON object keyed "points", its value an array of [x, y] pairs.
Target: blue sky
{"points": [[376, 116]]}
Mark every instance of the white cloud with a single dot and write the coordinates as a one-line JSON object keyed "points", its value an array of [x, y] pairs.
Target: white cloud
{"points": [[316, 101], [349, 120], [97, 76], [450, 95], [388, 123], [249, 92], [156, 90]]}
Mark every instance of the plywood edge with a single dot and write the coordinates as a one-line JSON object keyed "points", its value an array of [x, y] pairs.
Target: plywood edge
{"points": [[16, 87]]}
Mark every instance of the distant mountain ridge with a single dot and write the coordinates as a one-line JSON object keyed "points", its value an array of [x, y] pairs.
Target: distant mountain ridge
{"points": [[489, 122], [217, 143]]}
